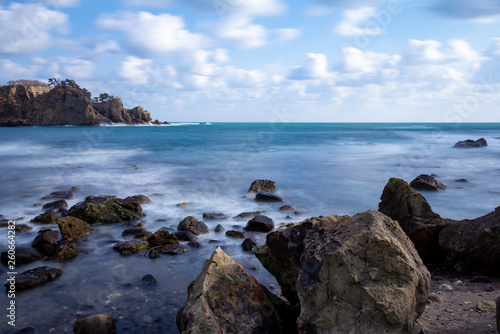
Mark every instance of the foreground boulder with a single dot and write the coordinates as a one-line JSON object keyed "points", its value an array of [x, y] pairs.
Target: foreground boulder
{"points": [[260, 224], [224, 298], [427, 182], [259, 186], [193, 225], [469, 143], [473, 245], [349, 274], [107, 210], [35, 277], [102, 323]]}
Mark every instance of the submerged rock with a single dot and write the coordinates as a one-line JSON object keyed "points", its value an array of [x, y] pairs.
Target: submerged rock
{"points": [[349, 274], [185, 236], [214, 216], [107, 209], [46, 242], [174, 249], [49, 217], [288, 208], [248, 244], [142, 199], [259, 186], [224, 298], [73, 228], [260, 224], [67, 252], [130, 247], [219, 228], [97, 324], [250, 214], [427, 182], [56, 205], [35, 277], [162, 237], [22, 228], [149, 279], [469, 143], [193, 225], [268, 197], [236, 234], [133, 231], [58, 195], [23, 255]]}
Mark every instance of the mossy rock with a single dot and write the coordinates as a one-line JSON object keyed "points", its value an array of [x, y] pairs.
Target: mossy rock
{"points": [[162, 237], [107, 210], [49, 217]]}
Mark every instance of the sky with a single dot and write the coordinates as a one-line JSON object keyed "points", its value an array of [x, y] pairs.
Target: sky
{"points": [[267, 60]]}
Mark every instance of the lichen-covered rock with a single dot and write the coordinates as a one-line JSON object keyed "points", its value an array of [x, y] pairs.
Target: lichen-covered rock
{"points": [[261, 185], [162, 237], [49, 217], [114, 111], [131, 247], [73, 228], [352, 274], [224, 298], [102, 323], [107, 209], [427, 182], [67, 252], [193, 225], [35, 277]]}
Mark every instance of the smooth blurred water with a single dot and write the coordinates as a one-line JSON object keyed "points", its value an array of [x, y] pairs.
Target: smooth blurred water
{"points": [[322, 169]]}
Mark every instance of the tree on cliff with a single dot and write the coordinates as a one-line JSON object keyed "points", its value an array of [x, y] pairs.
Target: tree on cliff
{"points": [[103, 97]]}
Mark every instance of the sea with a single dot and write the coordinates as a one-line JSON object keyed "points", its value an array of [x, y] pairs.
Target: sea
{"points": [[320, 168]]}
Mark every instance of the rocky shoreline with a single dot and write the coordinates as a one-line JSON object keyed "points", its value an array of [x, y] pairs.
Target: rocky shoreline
{"points": [[370, 272]]}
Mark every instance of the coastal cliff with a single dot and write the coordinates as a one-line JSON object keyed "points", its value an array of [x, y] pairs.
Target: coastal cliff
{"points": [[23, 105]]}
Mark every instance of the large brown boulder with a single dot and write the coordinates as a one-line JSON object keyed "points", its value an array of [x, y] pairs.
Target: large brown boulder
{"points": [[73, 228], [261, 185], [403, 204], [102, 323], [473, 245], [193, 225], [224, 298], [354, 274], [107, 209]]}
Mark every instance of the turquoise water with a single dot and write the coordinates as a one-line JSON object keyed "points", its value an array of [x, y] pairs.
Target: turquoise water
{"points": [[321, 169]]}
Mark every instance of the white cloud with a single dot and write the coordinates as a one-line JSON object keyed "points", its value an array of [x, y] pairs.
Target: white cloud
{"points": [[77, 68], [240, 78], [356, 60], [147, 34], [10, 70], [55, 4], [203, 62], [315, 66], [239, 7], [285, 34], [139, 71], [353, 19], [240, 31], [26, 28], [489, 72], [428, 52], [482, 10]]}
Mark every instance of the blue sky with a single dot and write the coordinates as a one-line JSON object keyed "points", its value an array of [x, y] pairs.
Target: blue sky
{"points": [[267, 60]]}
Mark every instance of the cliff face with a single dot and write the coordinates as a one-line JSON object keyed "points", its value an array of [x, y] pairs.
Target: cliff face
{"points": [[42, 105]]}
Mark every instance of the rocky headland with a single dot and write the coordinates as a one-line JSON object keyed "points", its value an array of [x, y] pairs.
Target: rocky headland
{"points": [[30, 105]]}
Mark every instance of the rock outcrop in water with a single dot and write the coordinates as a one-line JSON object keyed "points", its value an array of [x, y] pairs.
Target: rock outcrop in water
{"points": [[22, 105], [469, 143], [466, 245], [107, 209]]}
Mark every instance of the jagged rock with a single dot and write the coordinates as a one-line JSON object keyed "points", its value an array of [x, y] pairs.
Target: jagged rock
{"points": [[288, 208], [130, 247], [224, 298], [350, 274], [193, 225], [469, 143], [182, 205], [427, 182], [248, 244], [498, 314], [174, 249], [73, 228], [403, 204], [153, 253], [46, 242], [214, 216], [268, 197], [97, 324], [67, 252], [107, 209], [55, 205], [49, 217], [249, 215], [35, 277], [185, 236], [58, 195], [162, 237], [261, 186], [114, 111], [22, 256], [260, 224], [219, 228], [236, 234], [472, 245]]}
